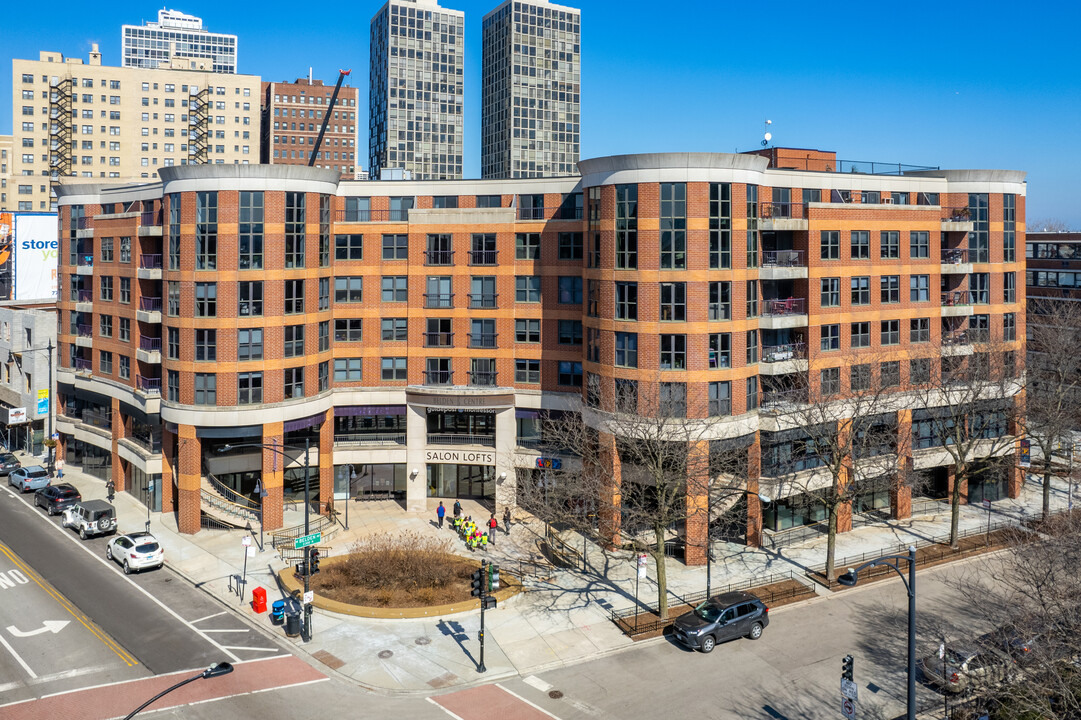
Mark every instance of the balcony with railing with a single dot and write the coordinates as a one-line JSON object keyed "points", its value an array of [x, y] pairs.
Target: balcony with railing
{"points": [[148, 385], [368, 439], [955, 338], [450, 439], [483, 257], [781, 353], [483, 340], [150, 223], [84, 330], [438, 257], [530, 213], [84, 223], [957, 298], [438, 339], [150, 344], [150, 304], [438, 377], [483, 378], [955, 259], [483, 301], [957, 219], [784, 307], [150, 267], [784, 258], [438, 300], [85, 296], [98, 418], [384, 215], [83, 366], [782, 216], [84, 263]]}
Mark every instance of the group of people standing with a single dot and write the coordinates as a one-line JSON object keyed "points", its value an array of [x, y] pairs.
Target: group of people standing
{"points": [[467, 528]]}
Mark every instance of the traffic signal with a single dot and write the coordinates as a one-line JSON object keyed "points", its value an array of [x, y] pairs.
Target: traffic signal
{"points": [[846, 667], [314, 560], [493, 578], [478, 583]]}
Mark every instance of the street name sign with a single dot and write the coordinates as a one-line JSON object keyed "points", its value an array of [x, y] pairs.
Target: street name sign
{"points": [[305, 540]]}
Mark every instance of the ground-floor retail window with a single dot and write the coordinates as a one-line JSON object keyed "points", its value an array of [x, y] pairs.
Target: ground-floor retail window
{"points": [[370, 482], [461, 481], [987, 483], [145, 487], [792, 512], [868, 499], [92, 459]]}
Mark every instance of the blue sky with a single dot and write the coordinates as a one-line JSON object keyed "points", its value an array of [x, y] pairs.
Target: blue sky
{"points": [[957, 85]]}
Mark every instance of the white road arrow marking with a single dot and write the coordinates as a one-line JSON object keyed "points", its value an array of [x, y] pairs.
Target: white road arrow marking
{"points": [[53, 626]]}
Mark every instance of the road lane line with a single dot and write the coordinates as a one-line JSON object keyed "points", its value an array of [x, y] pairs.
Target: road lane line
{"points": [[69, 607], [448, 712], [257, 649], [10, 686], [113, 568], [210, 630], [15, 655], [531, 704], [70, 674], [208, 617]]}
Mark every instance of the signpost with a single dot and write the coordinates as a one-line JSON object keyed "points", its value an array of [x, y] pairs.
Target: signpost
{"points": [[848, 708], [849, 689], [637, 579], [987, 504], [309, 597], [305, 540]]}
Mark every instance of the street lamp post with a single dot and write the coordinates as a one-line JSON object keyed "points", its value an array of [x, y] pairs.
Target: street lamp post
{"points": [[307, 629], [894, 561], [216, 670]]}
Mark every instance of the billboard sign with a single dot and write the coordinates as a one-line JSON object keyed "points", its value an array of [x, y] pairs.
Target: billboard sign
{"points": [[7, 234], [36, 252]]}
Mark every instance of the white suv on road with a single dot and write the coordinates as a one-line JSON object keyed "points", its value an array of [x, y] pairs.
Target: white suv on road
{"points": [[91, 517], [136, 551]]}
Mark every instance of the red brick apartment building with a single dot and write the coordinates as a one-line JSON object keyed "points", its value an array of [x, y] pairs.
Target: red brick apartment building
{"points": [[292, 115], [1053, 265], [414, 331]]}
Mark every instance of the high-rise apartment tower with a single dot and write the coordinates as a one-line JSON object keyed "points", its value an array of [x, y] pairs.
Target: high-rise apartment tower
{"points": [[415, 97], [531, 89], [178, 39]]}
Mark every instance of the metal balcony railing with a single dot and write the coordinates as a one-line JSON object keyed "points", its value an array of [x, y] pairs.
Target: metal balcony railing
{"points": [[446, 439], [438, 377], [485, 378], [150, 344], [152, 217], [151, 386], [957, 298], [569, 213], [531, 213], [483, 257], [954, 256], [438, 339], [956, 338], [438, 257], [371, 215], [483, 301], [783, 258], [787, 351], [956, 214], [438, 300], [150, 262], [85, 330], [98, 418], [150, 304], [82, 365], [84, 222], [482, 340], [767, 210], [788, 306], [369, 439], [85, 296]]}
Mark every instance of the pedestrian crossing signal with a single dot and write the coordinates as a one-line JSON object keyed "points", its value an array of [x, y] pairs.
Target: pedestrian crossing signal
{"points": [[478, 583]]}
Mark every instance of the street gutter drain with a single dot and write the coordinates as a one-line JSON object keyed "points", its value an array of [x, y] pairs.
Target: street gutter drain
{"points": [[423, 641], [555, 694], [384, 654]]}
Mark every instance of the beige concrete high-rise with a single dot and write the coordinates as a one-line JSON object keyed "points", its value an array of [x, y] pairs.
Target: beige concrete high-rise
{"points": [[530, 90], [7, 146], [84, 119]]}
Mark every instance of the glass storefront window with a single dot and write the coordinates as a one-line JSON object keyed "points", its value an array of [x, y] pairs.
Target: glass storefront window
{"points": [[461, 481], [370, 482], [792, 512]]}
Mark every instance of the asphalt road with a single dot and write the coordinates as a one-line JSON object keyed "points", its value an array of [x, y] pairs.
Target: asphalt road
{"points": [[102, 626]]}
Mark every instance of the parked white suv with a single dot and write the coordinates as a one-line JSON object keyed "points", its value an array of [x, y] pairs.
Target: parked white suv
{"points": [[136, 551], [91, 517]]}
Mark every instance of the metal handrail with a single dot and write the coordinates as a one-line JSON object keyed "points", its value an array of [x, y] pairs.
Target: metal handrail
{"points": [[370, 439], [443, 439], [783, 258], [438, 257], [150, 261], [788, 306], [787, 351], [229, 494], [284, 537]]}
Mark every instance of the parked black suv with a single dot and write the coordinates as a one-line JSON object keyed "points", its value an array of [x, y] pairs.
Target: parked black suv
{"points": [[721, 618]]}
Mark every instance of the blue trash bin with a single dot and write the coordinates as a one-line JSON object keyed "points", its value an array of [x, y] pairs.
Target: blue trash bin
{"points": [[277, 612]]}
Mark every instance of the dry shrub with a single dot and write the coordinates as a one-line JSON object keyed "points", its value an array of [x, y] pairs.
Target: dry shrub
{"points": [[407, 561]]}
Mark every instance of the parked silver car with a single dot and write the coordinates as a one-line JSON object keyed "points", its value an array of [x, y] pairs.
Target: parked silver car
{"points": [[29, 478]]}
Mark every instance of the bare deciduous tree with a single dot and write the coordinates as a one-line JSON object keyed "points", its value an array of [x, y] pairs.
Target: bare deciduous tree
{"points": [[969, 404], [1052, 382]]}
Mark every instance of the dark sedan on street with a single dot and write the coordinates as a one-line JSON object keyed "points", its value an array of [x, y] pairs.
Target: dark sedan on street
{"points": [[9, 462], [57, 498]]}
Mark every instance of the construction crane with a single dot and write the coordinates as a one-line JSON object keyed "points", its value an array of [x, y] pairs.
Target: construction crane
{"points": [[326, 116]]}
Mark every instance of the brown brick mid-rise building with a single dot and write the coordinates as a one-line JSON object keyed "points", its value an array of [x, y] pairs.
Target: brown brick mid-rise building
{"points": [[414, 331], [292, 115]]}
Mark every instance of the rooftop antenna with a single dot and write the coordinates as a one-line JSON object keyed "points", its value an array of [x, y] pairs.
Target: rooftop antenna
{"points": [[767, 135]]}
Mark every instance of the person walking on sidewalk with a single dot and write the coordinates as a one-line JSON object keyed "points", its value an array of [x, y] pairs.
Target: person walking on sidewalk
{"points": [[492, 525], [439, 513], [457, 508], [110, 490], [59, 468], [506, 521]]}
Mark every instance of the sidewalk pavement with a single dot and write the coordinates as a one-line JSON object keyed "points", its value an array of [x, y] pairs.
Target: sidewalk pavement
{"points": [[556, 622]]}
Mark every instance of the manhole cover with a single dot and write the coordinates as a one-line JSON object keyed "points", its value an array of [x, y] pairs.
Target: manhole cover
{"points": [[384, 654], [423, 641], [555, 694]]}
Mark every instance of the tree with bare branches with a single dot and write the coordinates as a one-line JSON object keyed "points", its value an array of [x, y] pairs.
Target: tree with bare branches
{"points": [[843, 422], [972, 404], [1052, 383], [645, 474]]}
